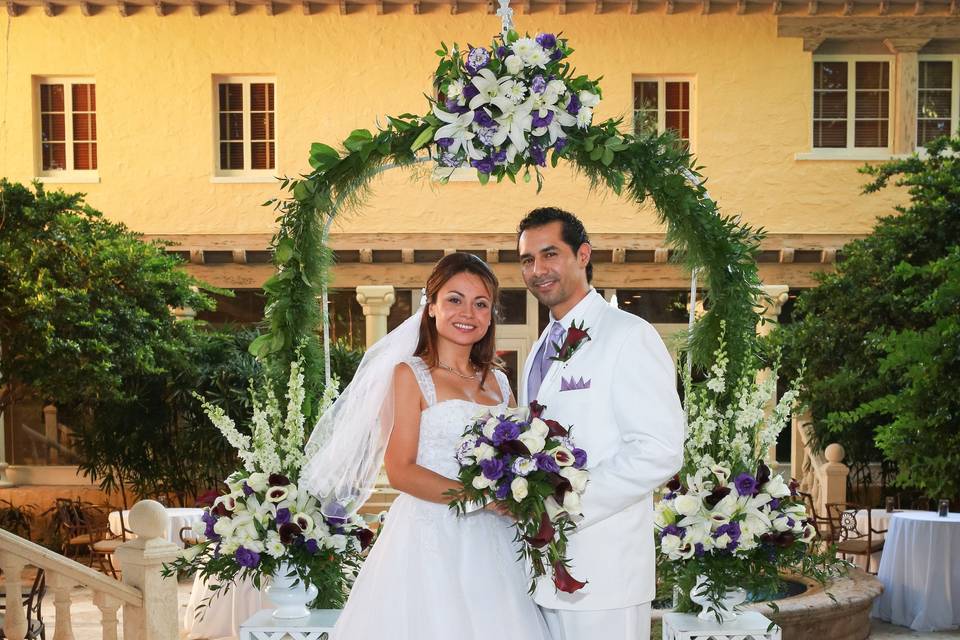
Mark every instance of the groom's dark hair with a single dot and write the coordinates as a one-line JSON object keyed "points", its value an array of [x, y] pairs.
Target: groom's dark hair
{"points": [[574, 234]]}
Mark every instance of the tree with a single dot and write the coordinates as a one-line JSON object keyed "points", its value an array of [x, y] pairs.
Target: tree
{"points": [[878, 338], [84, 303]]}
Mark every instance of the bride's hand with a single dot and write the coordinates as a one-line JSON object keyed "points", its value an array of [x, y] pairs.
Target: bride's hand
{"points": [[499, 508]]}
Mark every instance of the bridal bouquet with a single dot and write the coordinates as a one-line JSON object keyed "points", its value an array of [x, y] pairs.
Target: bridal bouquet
{"points": [[726, 521], [505, 106], [532, 468], [265, 524]]}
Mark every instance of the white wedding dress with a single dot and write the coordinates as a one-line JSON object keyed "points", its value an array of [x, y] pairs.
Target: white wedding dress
{"points": [[434, 575]]}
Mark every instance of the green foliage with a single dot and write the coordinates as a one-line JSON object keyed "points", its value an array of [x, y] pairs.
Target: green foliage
{"points": [[344, 360], [879, 336], [84, 303], [16, 519]]}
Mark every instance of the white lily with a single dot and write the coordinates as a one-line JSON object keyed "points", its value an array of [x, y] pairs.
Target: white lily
{"points": [[560, 120], [457, 129], [493, 90], [514, 124]]}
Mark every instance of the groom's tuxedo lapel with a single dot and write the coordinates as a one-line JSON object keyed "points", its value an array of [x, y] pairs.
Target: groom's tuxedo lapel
{"points": [[588, 312]]}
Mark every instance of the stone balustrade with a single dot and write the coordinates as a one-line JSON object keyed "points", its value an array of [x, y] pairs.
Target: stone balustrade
{"points": [[148, 599]]}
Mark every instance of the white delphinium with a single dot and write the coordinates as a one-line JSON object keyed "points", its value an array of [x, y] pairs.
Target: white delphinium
{"points": [[265, 415], [228, 428], [292, 442]]}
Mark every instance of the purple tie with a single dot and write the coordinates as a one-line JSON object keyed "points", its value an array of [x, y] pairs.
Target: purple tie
{"points": [[541, 365]]}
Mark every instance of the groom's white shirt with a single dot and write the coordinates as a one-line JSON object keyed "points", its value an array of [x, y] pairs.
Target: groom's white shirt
{"points": [[631, 424]]}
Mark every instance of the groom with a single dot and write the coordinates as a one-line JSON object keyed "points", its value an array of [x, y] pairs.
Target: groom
{"points": [[617, 388]]}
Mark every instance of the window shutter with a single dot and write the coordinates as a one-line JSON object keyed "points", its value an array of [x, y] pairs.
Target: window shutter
{"points": [[872, 106], [830, 104], [262, 137], [934, 104], [53, 130]]}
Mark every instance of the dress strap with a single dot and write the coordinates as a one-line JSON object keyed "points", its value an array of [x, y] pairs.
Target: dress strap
{"points": [[422, 373], [504, 385]]}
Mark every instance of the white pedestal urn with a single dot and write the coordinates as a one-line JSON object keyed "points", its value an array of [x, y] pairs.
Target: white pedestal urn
{"points": [[290, 594], [725, 609]]}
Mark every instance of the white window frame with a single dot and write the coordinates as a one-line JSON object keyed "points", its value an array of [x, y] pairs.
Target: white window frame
{"points": [[62, 176], [851, 152], [954, 92], [246, 174], [662, 81]]}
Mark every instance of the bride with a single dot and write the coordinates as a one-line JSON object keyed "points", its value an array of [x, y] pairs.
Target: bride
{"points": [[431, 575]]}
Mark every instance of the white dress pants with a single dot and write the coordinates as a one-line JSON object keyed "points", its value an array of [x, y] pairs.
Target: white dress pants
{"points": [[630, 623]]}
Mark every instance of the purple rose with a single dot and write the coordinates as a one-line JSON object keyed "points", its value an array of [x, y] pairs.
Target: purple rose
{"points": [[538, 155], [745, 484], [503, 490], [477, 59], [483, 166], [247, 491], [560, 144], [283, 516], [573, 107], [247, 558], [483, 119], [504, 431], [547, 40], [542, 121], [311, 546], [492, 468], [538, 84], [470, 91], [545, 462]]}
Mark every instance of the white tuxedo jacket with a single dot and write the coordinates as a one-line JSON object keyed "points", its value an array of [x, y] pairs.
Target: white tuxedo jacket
{"points": [[631, 424]]}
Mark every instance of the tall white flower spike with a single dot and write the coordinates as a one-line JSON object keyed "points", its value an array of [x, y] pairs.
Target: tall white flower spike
{"points": [[506, 15]]}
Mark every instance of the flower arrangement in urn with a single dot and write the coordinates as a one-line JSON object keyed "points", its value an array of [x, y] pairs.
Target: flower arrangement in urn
{"points": [[265, 525], [726, 525]]}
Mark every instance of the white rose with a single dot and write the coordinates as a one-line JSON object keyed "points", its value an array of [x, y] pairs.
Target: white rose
{"points": [[697, 533], [776, 487], [687, 504], [556, 87], [781, 524], [571, 502], [481, 482], [722, 541], [258, 482], [588, 99], [562, 456], [484, 451], [514, 64], [519, 489], [578, 478], [338, 542], [532, 442], [669, 545], [539, 428], [489, 426]]}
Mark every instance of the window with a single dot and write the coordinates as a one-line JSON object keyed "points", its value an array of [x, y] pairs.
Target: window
{"points": [[851, 102], [660, 104], [246, 134], [68, 126], [937, 97]]}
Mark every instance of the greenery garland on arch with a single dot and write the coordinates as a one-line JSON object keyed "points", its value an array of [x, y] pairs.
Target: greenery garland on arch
{"points": [[541, 104]]}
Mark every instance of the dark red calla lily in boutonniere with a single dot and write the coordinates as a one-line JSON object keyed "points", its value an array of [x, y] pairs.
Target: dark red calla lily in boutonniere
{"points": [[576, 336]]}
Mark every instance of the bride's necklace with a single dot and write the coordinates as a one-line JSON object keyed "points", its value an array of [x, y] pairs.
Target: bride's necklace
{"points": [[457, 373]]}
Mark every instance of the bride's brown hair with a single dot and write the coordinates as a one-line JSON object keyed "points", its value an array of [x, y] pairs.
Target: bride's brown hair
{"points": [[483, 354]]}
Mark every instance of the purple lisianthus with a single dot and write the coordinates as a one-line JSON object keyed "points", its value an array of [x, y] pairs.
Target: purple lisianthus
{"points": [[573, 107], [672, 530], [545, 462], [477, 59], [492, 468], [247, 558], [483, 119], [210, 521], [486, 135], [538, 84], [579, 458], [774, 503], [483, 166], [283, 516], [470, 91], [503, 490], [499, 157], [455, 107], [555, 55], [538, 155], [731, 529], [502, 52], [505, 431], [746, 484], [547, 40], [541, 121], [247, 491], [698, 550], [311, 546], [560, 144], [449, 160], [444, 143]]}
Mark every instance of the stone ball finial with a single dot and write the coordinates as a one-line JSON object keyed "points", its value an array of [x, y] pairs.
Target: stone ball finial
{"points": [[148, 519], [834, 453]]}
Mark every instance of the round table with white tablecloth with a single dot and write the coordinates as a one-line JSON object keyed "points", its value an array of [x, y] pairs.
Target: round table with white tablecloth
{"points": [[920, 572], [177, 518], [880, 521]]}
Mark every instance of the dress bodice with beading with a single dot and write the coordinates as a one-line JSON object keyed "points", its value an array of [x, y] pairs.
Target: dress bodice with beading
{"points": [[443, 423]]}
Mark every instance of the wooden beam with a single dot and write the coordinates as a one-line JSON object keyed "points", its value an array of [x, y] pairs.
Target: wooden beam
{"points": [[416, 7], [454, 7], [598, 7], [812, 44], [619, 255], [380, 7], [812, 7], [634, 7], [406, 256], [307, 9], [668, 9], [525, 6], [159, 8], [661, 255], [884, 7], [562, 7], [847, 8], [741, 7], [786, 255], [493, 256], [343, 7], [868, 27], [704, 7], [12, 9], [366, 256], [955, 7], [918, 8], [85, 9], [777, 7], [48, 9], [491, 8], [269, 8], [828, 256], [197, 8], [905, 45], [239, 256], [232, 7], [122, 8]]}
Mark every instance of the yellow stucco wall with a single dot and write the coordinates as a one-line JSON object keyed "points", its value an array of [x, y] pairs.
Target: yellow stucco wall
{"points": [[335, 73]]}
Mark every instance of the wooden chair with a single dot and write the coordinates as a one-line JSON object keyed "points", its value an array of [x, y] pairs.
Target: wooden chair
{"points": [[850, 538], [819, 522], [103, 550], [80, 527], [32, 604]]}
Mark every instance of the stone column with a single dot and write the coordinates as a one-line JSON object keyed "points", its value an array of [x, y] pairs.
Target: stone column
{"points": [[904, 91], [141, 561], [771, 302], [376, 301]]}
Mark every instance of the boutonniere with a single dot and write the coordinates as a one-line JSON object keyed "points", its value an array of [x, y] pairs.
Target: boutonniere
{"points": [[576, 336]]}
